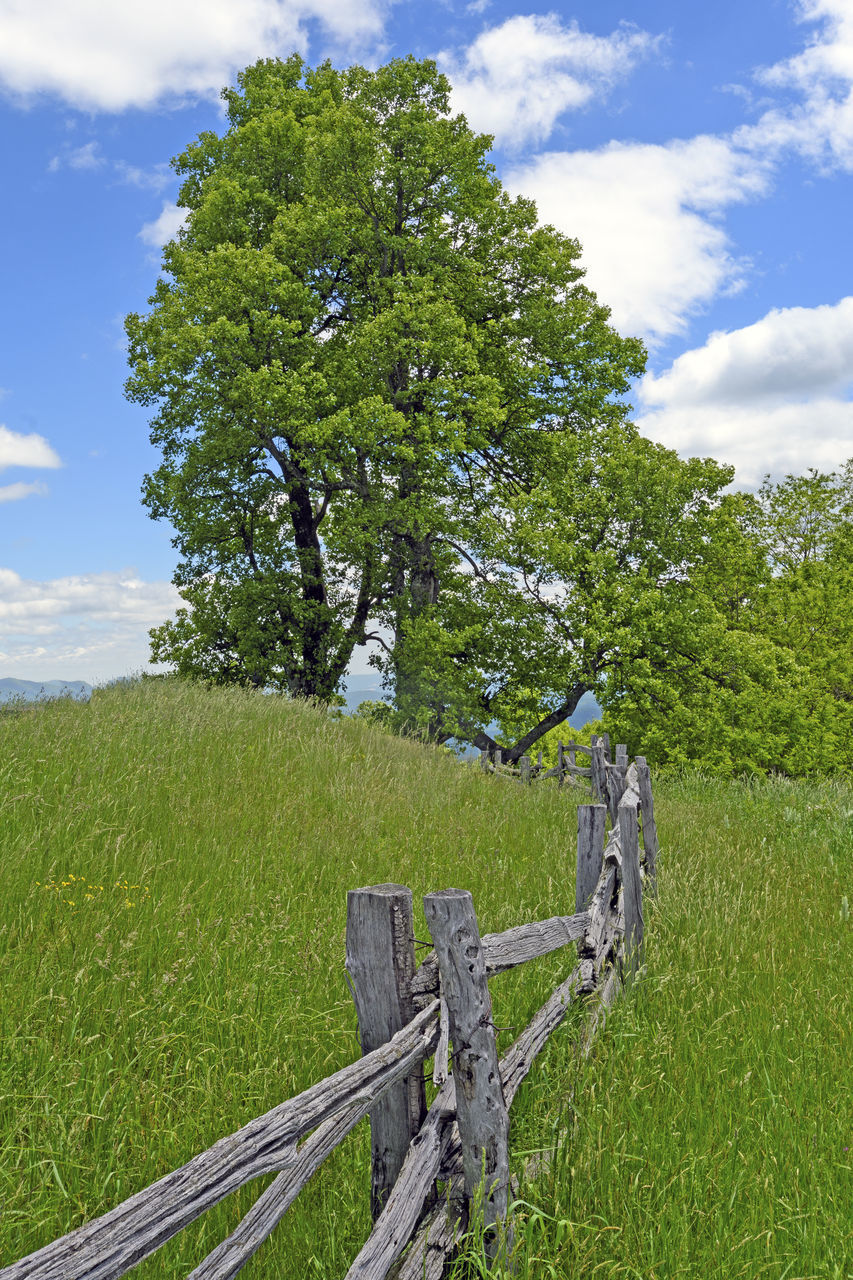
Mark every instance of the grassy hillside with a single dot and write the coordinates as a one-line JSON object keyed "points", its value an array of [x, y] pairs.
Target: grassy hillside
{"points": [[171, 962]]}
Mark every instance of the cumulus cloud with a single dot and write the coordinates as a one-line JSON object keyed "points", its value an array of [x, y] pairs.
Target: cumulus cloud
{"points": [[518, 78], [646, 218], [165, 227], [102, 56], [650, 217], [83, 627], [14, 492], [820, 124], [774, 395], [25, 451]]}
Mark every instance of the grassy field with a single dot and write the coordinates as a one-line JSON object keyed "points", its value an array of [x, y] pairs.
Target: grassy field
{"points": [[175, 865]]}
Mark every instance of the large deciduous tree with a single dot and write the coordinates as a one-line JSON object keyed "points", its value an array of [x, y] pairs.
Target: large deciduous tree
{"points": [[373, 378]]}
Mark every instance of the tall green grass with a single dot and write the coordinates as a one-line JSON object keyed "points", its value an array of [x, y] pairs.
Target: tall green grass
{"points": [[175, 865]]}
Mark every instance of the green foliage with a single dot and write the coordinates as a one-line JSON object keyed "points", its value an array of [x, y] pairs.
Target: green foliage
{"points": [[360, 349], [760, 671]]}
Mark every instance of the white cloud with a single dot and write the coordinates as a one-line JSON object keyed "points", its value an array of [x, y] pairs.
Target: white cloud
{"points": [[773, 396], [86, 157], [795, 351], [102, 56], [84, 627], [756, 439], [14, 492], [516, 79], [165, 227], [819, 123], [645, 217], [25, 451], [649, 217]]}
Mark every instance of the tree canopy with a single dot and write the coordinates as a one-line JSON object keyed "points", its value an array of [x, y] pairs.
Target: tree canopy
{"points": [[359, 348], [390, 410]]}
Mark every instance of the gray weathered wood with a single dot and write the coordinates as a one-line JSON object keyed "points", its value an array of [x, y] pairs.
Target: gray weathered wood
{"points": [[481, 1113], [600, 907], [441, 1062], [439, 1153], [526, 767], [632, 890], [602, 1002], [436, 1238], [651, 847], [229, 1257], [591, 823], [630, 790], [617, 779], [505, 950], [112, 1244], [600, 792], [380, 960], [576, 746], [404, 1205], [605, 738]]}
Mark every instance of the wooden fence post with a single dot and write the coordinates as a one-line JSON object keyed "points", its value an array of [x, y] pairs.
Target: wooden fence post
{"points": [[591, 821], [481, 1113], [561, 765], [598, 775], [526, 766], [632, 889], [651, 848], [380, 960]]}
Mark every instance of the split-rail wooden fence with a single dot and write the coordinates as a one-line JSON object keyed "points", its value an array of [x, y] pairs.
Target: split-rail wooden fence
{"points": [[406, 1015]]}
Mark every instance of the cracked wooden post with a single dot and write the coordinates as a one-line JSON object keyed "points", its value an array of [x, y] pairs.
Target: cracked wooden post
{"points": [[591, 822], [598, 775], [651, 848], [380, 960], [632, 890], [561, 764], [526, 766], [481, 1113]]}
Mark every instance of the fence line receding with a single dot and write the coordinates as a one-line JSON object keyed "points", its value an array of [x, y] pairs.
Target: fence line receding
{"points": [[406, 1015]]}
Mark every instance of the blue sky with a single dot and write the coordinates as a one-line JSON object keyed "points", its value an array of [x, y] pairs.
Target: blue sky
{"points": [[702, 154]]}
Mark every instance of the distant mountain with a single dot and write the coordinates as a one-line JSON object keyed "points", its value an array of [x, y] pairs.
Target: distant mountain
{"points": [[586, 710], [357, 689], [32, 690]]}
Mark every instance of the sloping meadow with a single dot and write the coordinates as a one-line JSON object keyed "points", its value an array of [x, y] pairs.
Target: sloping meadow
{"points": [[175, 864]]}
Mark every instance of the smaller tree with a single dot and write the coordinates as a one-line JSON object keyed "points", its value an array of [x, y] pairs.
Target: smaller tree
{"points": [[760, 673], [579, 582]]}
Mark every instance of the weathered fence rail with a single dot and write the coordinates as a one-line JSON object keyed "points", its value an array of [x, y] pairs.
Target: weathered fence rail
{"points": [[406, 1015]]}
